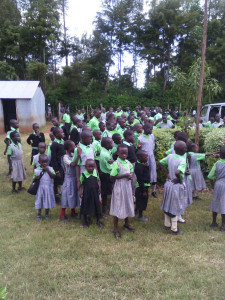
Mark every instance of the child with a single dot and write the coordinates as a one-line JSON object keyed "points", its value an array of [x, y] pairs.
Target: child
{"points": [[55, 123], [105, 169], [52, 137], [87, 152], [143, 182], [198, 182], [102, 126], [57, 153], [70, 197], [97, 136], [90, 185], [121, 126], [129, 141], [16, 167], [41, 150], [138, 128], [76, 125], [171, 150], [14, 126], [34, 139], [174, 196], [110, 129], [217, 205], [147, 140], [117, 140], [45, 195], [67, 120], [122, 205]]}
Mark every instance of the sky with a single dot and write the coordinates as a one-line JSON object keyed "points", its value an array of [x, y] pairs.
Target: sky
{"points": [[80, 17]]}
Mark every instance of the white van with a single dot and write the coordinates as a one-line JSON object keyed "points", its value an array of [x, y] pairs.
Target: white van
{"points": [[210, 110]]}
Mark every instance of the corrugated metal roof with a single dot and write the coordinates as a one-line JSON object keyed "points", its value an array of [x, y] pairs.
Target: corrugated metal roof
{"points": [[18, 89]]}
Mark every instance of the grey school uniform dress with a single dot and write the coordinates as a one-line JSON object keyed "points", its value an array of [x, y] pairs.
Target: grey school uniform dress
{"points": [[70, 197], [188, 183], [218, 200], [198, 182], [148, 145], [122, 204], [18, 170], [174, 197], [45, 197]]}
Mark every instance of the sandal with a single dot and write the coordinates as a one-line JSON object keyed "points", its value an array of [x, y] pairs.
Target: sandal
{"points": [[128, 227], [117, 234]]}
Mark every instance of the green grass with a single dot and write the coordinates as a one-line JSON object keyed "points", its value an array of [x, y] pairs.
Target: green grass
{"points": [[53, 260]]}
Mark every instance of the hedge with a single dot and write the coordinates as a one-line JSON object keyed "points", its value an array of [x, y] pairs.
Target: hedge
{"points": [[209, 141]]}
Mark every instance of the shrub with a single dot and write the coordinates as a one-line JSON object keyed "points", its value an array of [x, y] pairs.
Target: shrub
{"points": [[3, 293], [163, 140]]}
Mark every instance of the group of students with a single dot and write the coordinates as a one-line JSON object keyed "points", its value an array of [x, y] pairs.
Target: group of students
{"points": [[114, 156]]}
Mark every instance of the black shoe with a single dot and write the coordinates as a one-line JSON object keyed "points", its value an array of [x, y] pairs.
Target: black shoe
{"points": [[14, 191], [214, 225], [166, 227], [154, 195], [178, 232], [64, 219], [85, 225], [100, 224], [22, 189], [222, 228]]}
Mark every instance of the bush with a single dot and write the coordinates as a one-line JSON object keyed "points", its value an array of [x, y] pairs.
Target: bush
{"points": [[163, 140], [3, 293]]}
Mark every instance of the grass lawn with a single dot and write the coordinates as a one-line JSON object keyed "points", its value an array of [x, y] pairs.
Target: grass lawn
{"points": [[53, 260]]}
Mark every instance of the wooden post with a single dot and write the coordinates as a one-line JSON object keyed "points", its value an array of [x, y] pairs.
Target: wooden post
{"points": [[199, 104]]}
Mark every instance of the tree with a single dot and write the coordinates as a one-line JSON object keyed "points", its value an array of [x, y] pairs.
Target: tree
{"points": [[7, 72], [186, 85]]}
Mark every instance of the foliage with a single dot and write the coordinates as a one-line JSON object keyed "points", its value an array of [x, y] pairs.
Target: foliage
{"points": [[163, 140], [37, 71], [186, 84], [7, 72], [3, 293]]}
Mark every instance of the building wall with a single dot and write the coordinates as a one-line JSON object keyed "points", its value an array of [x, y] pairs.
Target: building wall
{"points": [[38, 107], [31, 111], [2, 126]]}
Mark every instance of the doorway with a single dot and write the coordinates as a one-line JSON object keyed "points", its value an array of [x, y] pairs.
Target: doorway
{"points": [[9, 110]]}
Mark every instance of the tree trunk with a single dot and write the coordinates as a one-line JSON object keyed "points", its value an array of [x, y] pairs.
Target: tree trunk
{"points": [[64, 30], [199, 104]]}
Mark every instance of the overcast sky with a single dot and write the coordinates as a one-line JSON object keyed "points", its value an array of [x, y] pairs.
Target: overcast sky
{"points": [[80, 16]]}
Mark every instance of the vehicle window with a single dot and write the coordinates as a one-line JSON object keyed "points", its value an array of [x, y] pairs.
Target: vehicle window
{"points": [[204, 111], [213, 111], [222, 112]]}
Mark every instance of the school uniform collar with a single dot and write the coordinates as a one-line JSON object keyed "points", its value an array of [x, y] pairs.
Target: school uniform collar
{"points": [[59, 141], [122, 161], [16, 145], [146, 135], [127, 143], [94, 140], [140, 162], [87, 174], [39, 167], [222, 160], [82, 146], [73, 126], [14, 129]]}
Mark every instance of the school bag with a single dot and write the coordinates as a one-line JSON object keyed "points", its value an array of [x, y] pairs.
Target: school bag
{"points": [[35, 185]]}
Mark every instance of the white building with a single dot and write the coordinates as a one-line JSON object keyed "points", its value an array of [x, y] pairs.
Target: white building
{"points": [[21, 100]]}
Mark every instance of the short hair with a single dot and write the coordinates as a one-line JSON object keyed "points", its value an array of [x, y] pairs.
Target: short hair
{"points": [[176, 133], [140, 153], [116, 136], [127, 133], [182, 136], [89, 160], [96, 132], [85, 133], [12, 121], [148, 125], [101, 123], [42, 157], [34, 124], [105, 141], [67, 144], [190, 146], [55, 118], [122, 146], [56, 130]]}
